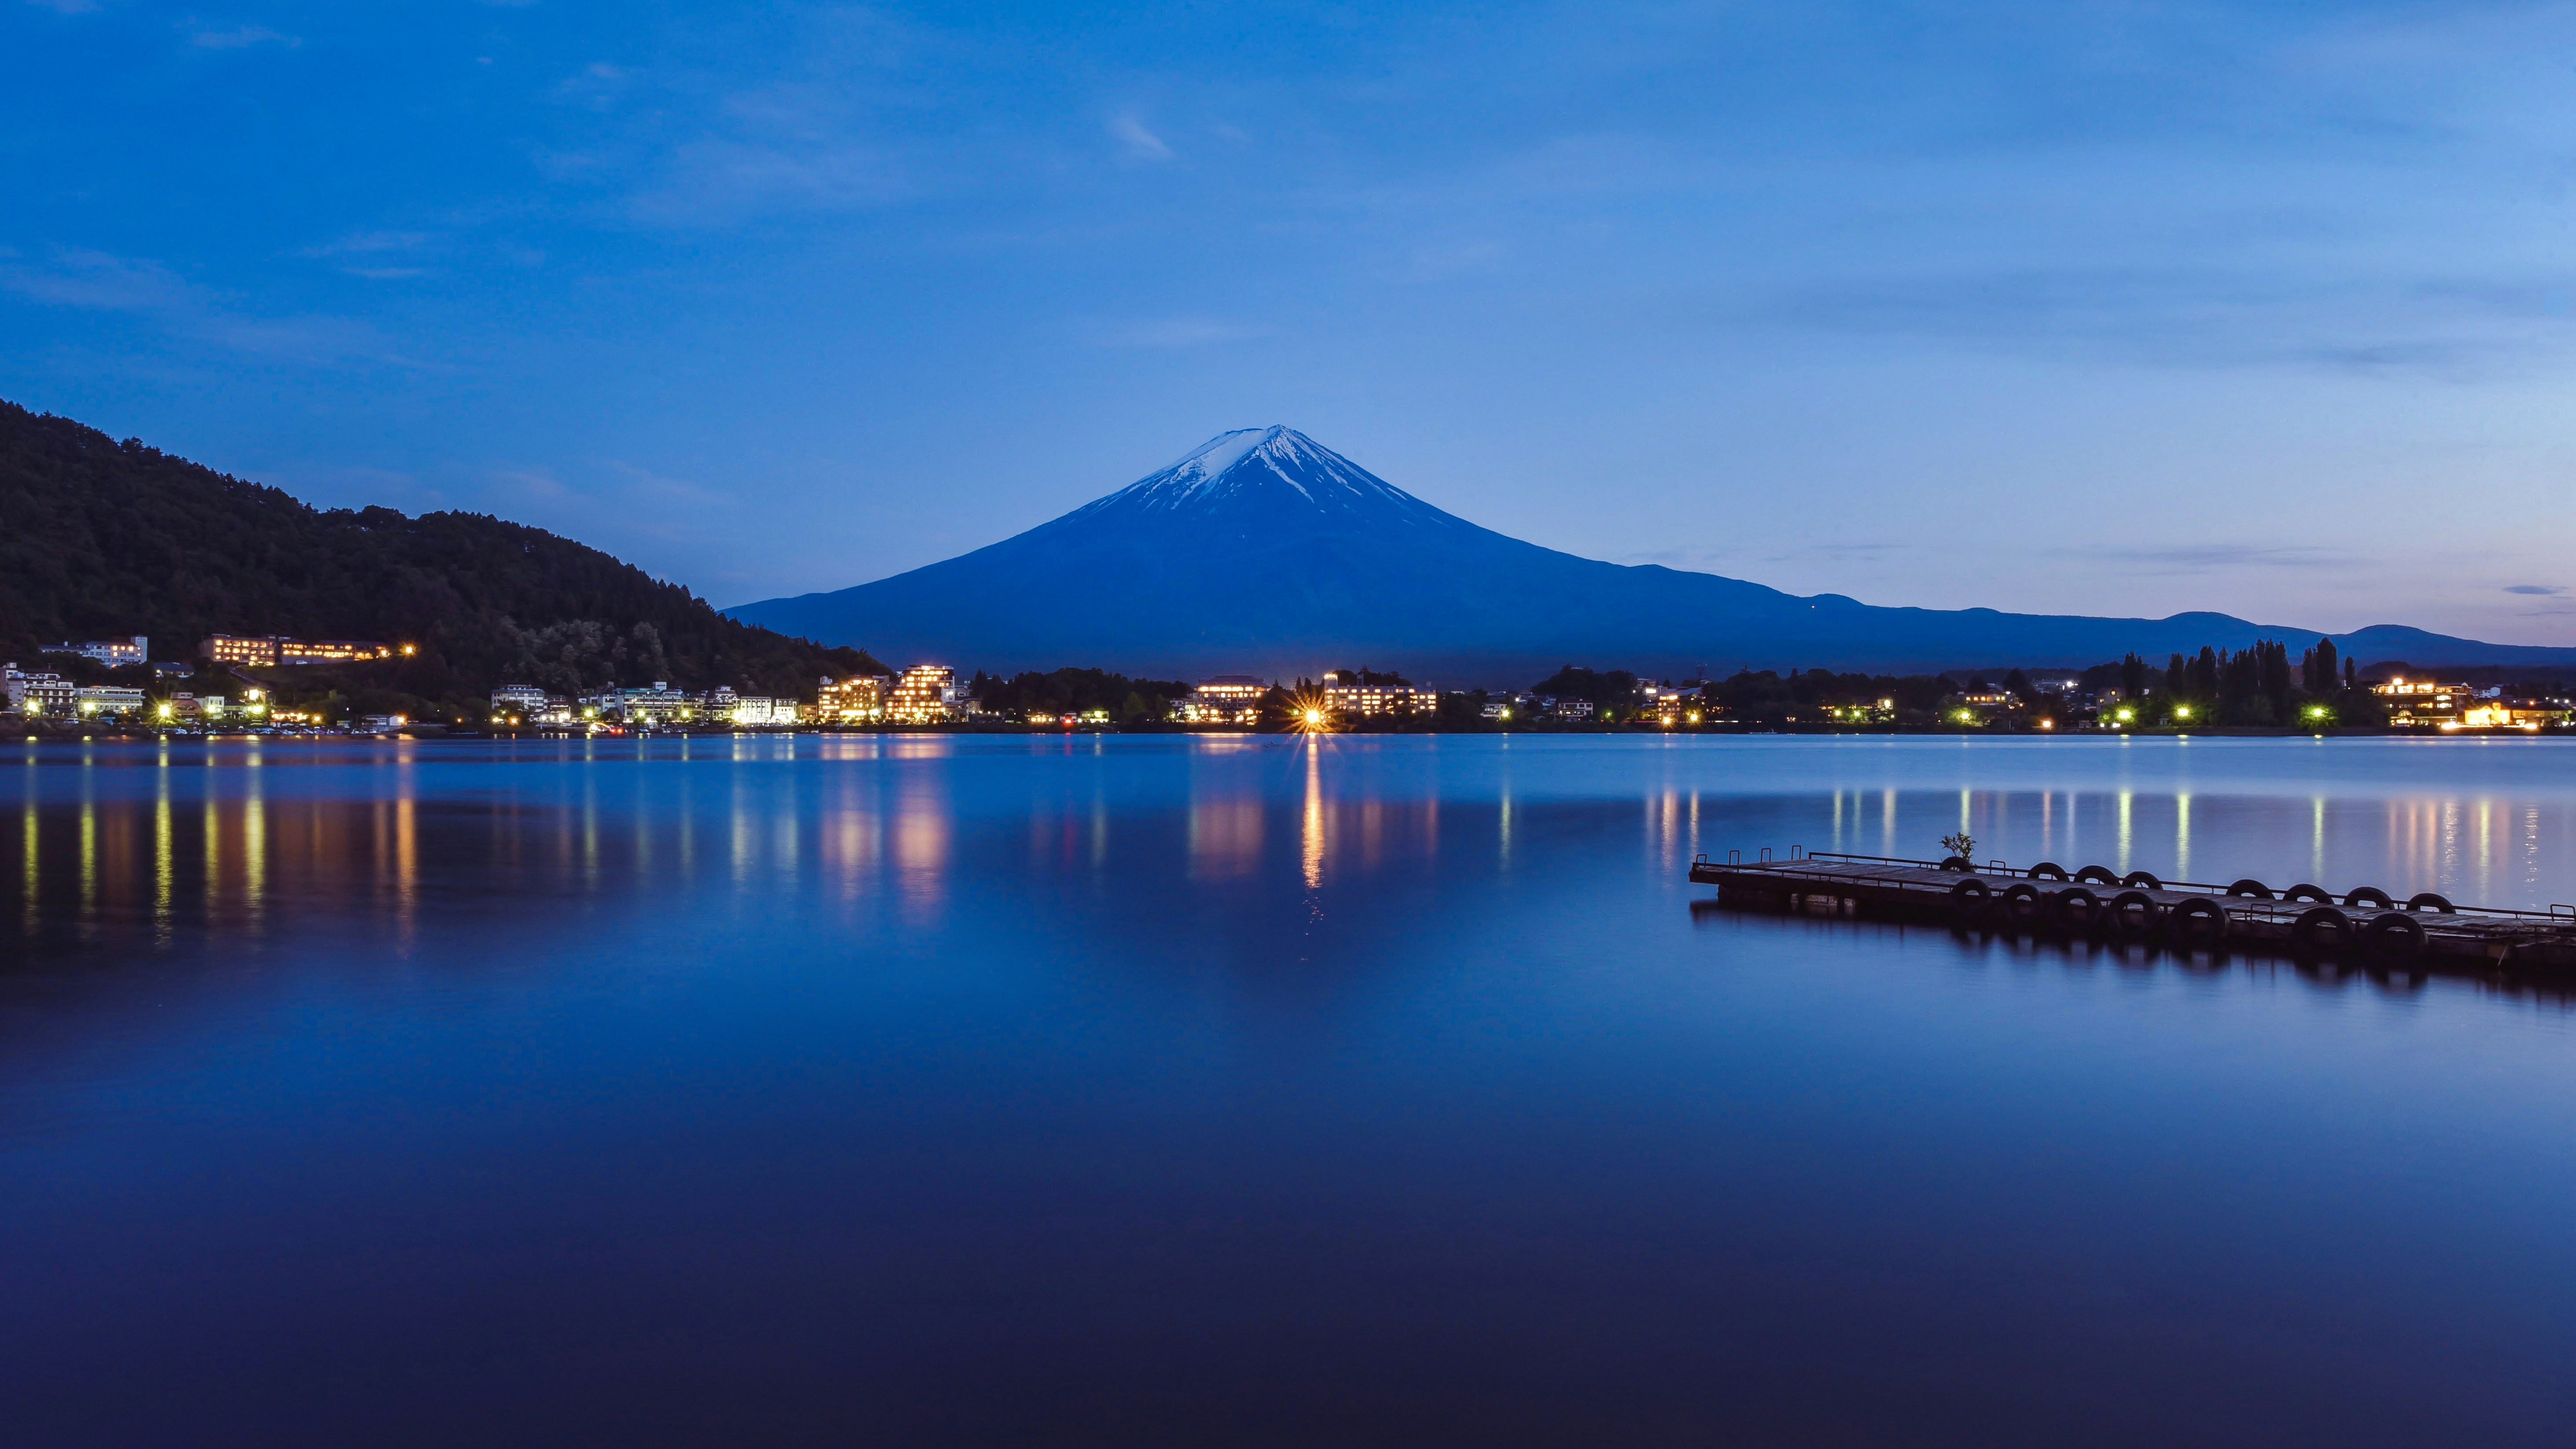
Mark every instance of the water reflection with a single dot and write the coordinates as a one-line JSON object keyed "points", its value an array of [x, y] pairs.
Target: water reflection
{"points": [[149, 841]]}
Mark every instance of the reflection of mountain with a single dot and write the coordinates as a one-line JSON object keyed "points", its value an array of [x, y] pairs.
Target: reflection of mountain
{"points": [[1262, 550]]}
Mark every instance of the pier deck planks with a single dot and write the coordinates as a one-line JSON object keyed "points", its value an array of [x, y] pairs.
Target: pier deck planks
{"points": [[1919, 889]]}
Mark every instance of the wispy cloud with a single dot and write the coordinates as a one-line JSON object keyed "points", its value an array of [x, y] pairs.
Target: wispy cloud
{"points": [[368, 243], [1139, 143], [2540, 589], [1181, 332], [2191, 316], [2202, 558], [242, 37], [98, 281]]}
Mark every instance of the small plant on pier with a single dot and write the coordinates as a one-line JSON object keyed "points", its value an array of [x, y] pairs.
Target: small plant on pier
{"points": [[1961, 844]]}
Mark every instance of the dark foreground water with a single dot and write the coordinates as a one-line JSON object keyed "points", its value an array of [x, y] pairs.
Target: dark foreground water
{"points": [[1167, 1091]]}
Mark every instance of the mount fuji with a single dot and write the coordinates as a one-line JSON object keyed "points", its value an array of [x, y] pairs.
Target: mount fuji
{"points": [[1262, 551]]}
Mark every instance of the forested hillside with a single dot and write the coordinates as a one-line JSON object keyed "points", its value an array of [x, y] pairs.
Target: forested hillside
{"points": [[101, 538]]}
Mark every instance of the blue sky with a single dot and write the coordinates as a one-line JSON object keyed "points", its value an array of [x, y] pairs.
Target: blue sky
{"points": [[2085, 308]]}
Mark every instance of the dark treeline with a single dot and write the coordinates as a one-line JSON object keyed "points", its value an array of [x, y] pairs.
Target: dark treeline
{"points": [[105, 539], [1765, 696], [1062, 691], [1613, 687]]}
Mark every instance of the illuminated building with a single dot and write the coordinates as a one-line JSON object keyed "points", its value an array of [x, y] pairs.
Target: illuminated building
{"points": [[859, 699], [1224, 699], [925, 694], [660, 704], [1356, 697], [108, 651], [518, 699], [759, 711], [330, 651], [106, 699], [271, 650], [252, 649], [44, 694], [2425, 703]]}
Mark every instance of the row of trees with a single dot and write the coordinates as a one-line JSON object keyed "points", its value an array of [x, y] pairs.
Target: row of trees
{"points": [[2251, 686]]}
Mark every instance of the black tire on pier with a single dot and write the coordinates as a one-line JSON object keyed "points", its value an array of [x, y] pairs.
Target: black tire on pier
{"points": [[2306, 892], [2320, 929], [2199, 921], [2251, 890], [2097, 875], [2048, 870], [2022, 904], [2369, 896], [1956, 862], [1970, 900], [2140, 880], [2134, 914], [2427, 901], [2076, 910], [2393, 936]]}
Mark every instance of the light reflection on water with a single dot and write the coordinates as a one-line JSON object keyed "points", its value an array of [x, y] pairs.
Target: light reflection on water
{"points": [[110, 839], [990, 1089]]}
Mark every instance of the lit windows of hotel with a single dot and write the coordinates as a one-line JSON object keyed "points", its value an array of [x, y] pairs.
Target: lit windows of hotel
{"points": [[108, 651], [1355, 698], [271, 650], [924, 695], [1225, 699], [859, 699]]}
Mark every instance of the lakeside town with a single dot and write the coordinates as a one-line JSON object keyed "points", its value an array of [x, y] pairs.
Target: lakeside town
{"points": [[273, 684]]}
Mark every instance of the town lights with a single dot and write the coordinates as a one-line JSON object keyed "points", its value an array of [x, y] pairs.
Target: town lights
{"points": [[409, 649], [1694, 716], [2182, 711], [1314, 717], [2048, 724], [2126, 716]]}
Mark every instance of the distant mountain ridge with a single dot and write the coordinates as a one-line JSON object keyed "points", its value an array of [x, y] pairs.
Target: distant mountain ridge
{"points": [[1263, 550]]}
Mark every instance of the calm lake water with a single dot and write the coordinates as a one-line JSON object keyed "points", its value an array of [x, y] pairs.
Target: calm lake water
{"points": [[1253, 1091]]}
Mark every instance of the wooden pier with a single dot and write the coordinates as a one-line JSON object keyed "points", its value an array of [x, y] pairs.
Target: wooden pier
{"points": [[2365, 923]]}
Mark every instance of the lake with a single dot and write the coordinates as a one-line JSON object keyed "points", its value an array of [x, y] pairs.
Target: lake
{"points": [[1399, 1090]]}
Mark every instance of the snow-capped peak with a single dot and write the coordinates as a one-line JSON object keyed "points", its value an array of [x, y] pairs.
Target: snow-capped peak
{"points": [[1249, 462]]}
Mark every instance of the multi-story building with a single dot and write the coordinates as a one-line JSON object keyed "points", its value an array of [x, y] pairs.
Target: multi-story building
{"points": [[658, 705], [859, 699], [271, 650], [331, 651], [108, 699], [38, 694], [1571, 711], [1354, 697], [1669, 706], [108, 651], [519, 699], [759, 711], [925, 694], [255, 650], [1223, 699], [2420, 702]]}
